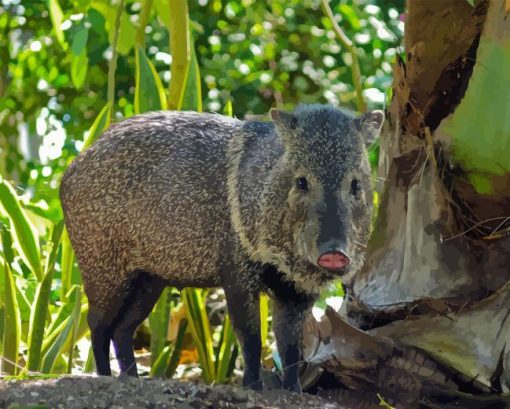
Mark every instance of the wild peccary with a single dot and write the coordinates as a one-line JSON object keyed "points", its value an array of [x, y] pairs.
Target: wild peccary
{"points": [[202, 200]]}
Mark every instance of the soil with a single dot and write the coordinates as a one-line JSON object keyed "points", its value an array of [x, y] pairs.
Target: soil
{"points": [[75, 392]]}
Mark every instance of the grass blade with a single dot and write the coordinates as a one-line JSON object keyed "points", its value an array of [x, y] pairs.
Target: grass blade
{"points": [[149, 91], [12, 325], [226, 352], [158, 321], [101, 122], [26, 235], [200, 329], [180, 48], [41, 303], [176, 353], [66, 264], [75, 299]]}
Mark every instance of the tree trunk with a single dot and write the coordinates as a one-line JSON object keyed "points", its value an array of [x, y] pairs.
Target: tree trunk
{"points": [[440, 249]]}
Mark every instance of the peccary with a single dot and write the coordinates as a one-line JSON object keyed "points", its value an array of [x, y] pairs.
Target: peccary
{"points": [[202, 200]]}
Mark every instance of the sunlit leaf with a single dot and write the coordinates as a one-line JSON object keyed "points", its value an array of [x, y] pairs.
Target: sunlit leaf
{"points": [[149, 91], [41, 303], [80, 41], [12, 325], [79, 66], [192, 98], [57, 18], [26, 235], [101, 122]]}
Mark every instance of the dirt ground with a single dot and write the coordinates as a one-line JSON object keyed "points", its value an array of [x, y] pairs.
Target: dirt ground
{"points": [[75, 392]]}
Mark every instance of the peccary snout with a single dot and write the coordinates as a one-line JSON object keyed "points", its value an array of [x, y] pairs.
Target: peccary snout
{"points": [[334, 260]]}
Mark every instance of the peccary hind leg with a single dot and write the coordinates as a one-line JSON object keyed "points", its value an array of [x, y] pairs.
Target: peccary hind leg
{"points": [[144, 292], [100, 334], [119, 319], [244, 311]]}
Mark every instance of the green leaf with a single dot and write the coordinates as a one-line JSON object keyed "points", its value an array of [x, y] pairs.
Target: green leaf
{"points": [[226, 352], [100, 124], [12, 325], [127, 33], [25, 234], [57, 18], [79, 66], [192, 98], [80, 41], [149, 91], [74, 299], [480, 138], [180, 48], [66, 263], [264, 318], [176, 353], [56, 347], [41, 303], [158, 321], [163, 11], [200, 329], [471, 3]]}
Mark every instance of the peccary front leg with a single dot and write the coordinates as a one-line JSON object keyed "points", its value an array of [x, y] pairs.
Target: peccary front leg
{"points": [[244, 311], [288, 319]]}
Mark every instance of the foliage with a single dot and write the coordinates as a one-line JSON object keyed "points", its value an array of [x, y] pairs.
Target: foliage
{"points": [[70, 68]]}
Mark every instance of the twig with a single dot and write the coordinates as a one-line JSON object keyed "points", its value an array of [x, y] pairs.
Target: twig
{"points": [[348, 44], [113, 62], [144, 18], [475, 226]]}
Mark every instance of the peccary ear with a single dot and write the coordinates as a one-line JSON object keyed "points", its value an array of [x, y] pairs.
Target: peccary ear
{"points": [[370, 124], [284, 119]]}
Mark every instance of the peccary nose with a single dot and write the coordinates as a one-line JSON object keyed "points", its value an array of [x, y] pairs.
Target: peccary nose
{"points": [[334, 260]]}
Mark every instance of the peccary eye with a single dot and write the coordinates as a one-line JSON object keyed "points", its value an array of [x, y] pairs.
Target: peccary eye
{"points": [[302, 184], [355, 187]]}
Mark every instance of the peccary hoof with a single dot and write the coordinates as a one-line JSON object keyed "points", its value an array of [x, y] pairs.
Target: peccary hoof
{"points": [[253, 383], [294, 387]]}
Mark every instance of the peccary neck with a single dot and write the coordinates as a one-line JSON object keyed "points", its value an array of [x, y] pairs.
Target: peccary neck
{"points": [[254, 153]]}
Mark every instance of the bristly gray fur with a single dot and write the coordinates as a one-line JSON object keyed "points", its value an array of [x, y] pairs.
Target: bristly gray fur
{"points": [[203, 200]]}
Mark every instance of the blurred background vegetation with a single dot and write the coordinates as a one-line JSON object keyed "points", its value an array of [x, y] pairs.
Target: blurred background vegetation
{"points": [[59, 88]]}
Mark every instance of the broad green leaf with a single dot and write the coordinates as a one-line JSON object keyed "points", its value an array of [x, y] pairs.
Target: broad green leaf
{"points": [[180, 48], [149, 91], [228, 110], [192, 98], [127, 33], [66, 263], [176, 353], [158, 321], [80, 41], [226, 351], [41, 303], [143, 20], [482, 146], [25, 234], [57, 18], [75, 299], [79, 66], [471, 3], [199, 326], [12, 325], [163, 11], [264, 318], [350, 14], [100, 124], [53, 353]]}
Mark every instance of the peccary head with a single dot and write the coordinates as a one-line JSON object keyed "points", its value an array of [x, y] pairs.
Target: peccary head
{"points": [[319, 201]]}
